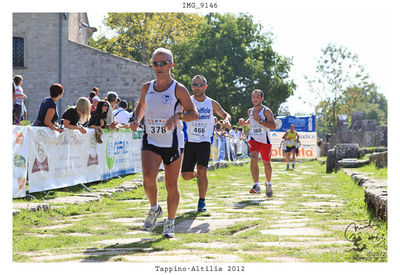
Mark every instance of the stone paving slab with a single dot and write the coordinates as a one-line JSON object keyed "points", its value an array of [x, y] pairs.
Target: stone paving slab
{"points": [[186, 258], [322, 203], [205, 226], [304, 231], [56, 226], [74, 199], [123, 241], [212, 245], [303, 244]]}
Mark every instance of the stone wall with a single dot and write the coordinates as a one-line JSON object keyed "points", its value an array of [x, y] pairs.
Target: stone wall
{"points": [[87, 67], [364, 132]]}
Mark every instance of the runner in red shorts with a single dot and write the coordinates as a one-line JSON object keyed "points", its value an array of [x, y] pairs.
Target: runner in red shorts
{"points": [[260, 121]]}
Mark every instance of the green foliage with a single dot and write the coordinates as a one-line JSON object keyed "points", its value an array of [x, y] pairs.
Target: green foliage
{"points": [[236, 58], [139, 34]]}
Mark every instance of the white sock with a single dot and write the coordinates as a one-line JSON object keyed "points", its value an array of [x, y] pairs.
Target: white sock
{"points": [[267, 183], [171, 221], [154, 207], [256, 183]]}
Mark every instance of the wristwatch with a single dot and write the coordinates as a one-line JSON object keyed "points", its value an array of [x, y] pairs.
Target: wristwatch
{"points": [[261, 121]]}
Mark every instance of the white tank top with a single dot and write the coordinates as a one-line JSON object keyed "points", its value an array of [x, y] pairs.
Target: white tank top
{"points": [[161, 105], [201, 130], [257, 131]]}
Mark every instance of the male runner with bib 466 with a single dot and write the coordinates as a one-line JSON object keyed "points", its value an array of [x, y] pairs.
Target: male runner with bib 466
{"points": [[198, 137]]}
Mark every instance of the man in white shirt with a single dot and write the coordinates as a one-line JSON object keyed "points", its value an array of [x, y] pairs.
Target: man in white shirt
{"points": [[121, 114]]}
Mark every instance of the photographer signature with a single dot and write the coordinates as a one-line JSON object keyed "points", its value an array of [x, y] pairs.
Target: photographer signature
{"points": [[353, 233]]}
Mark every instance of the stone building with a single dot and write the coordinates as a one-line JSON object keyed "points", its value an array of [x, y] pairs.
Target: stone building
{"points": [[53, 47]]}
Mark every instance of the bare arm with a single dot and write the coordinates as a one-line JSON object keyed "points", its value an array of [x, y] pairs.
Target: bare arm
{"points": [[190, 111], [269, 119], [242, 122], [47, 120], [220, 111], [140, 108], [68, 125]]}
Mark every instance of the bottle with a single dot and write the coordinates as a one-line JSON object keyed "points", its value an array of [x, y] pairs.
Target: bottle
{"points": [[310, 124]]}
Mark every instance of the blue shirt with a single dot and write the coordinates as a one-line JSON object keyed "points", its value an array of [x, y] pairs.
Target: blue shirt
{"points": [[46, 104]]}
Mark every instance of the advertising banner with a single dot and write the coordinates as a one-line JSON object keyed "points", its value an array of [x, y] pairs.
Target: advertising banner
{"points": [[305, 127], [308, 148], [20, 160], [64, 159], [117, 153], [300, 123]]}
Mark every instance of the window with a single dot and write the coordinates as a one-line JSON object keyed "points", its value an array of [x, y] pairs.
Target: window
{"points": [[18, 52]]}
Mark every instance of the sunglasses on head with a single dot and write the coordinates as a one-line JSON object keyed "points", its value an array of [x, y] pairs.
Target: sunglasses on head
{"points": [[160, 64], [198, 84]]}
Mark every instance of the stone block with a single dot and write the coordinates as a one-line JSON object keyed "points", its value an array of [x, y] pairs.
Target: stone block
{"points": [[356, 120], [380, 159], [331, 161], [368, 125], [346, 151], [381, 136], [342, 122]]}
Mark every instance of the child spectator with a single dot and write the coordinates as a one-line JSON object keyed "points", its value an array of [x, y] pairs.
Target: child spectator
{"points": [[18, 99]]}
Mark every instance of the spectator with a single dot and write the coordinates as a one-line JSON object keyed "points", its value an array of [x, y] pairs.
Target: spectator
{"points": [[218, 129], [96, 98], [75, 116], [242, 134], [97, 119], [18, 99], [116, 105], [48, 114], [121, 114], [234, 132], [112, 100], [91, 96]]}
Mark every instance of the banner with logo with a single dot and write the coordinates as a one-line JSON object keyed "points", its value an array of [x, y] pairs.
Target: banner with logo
{"points": [[20, 160], [120, 153], [305, 127], [64, 159]]}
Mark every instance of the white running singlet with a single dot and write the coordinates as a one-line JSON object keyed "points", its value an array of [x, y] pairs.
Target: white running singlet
{"points": [[160, 106], [200, 130], [257, 131]]}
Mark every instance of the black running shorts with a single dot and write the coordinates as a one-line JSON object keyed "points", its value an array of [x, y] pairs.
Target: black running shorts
{"points": [[168, 155], [195, 153]]}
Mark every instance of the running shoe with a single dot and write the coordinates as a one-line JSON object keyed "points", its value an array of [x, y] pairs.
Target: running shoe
{"points": [[151, 220], [269, 190], [201, 206], [169, 228], [255, 189]]}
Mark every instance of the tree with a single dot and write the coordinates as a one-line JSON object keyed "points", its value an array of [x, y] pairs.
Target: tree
{"points": [[236, 58], [139, 34], [337, 69]]}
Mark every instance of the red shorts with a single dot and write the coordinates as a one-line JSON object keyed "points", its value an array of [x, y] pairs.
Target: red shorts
{"points": [[262, 148]]}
